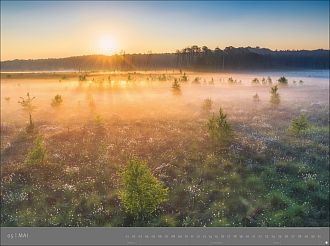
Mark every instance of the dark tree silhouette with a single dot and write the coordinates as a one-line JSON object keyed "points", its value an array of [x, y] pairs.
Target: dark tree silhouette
{"points": [[194, 57]]}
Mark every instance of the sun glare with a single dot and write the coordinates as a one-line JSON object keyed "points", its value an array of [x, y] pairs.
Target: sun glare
{"points": [[106, 45]]}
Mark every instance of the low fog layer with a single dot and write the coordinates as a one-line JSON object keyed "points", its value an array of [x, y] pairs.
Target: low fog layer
{"points": [[137, 95]]}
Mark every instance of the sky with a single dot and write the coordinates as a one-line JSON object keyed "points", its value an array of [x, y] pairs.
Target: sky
{"points": [[44, 29]]}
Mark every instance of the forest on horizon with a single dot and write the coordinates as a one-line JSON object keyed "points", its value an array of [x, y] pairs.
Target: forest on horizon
{"points": [[191, 58]]}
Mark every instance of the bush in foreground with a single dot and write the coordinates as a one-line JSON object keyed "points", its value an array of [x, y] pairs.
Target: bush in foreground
{"points": [[298, 125], [141, 193]]}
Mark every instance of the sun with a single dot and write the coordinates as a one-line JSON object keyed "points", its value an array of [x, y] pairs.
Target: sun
{"points": [[106, 45]]}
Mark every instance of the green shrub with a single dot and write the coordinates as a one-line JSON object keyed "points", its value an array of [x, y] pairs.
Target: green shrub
{"points": [[282, 80], [57, 101], [298, 125], [255, 81], [184, 78], [37, 154], [176, 85], [26, 102], [219, 128], [231, 80], [275, 97], [207, 105], [274, 90], [140, 193]]}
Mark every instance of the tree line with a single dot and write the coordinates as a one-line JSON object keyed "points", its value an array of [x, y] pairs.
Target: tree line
{"points": [[194, 57]]}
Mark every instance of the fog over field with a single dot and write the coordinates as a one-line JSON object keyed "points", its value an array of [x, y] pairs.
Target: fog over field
{"points": [[261, 161], [139, 95]]}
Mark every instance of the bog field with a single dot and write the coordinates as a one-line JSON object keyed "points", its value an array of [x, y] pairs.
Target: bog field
{"points": [[165, 148]]}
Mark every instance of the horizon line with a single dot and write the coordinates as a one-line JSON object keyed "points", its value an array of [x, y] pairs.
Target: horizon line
{"points": [[159, 53]]}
